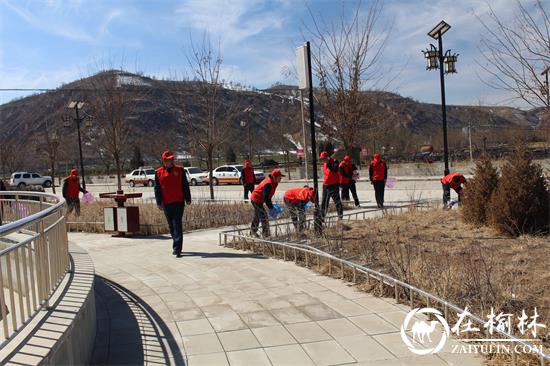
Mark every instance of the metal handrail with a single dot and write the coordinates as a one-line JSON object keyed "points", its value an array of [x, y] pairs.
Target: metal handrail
{"points": [[383, 278], [34, 265]]}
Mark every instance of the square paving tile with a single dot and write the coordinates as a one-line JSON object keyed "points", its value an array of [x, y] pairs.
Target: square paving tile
{"points": [[201, 344], [290, 315], [307, 332], [376, 305], [212, 359], [319, 311], [238, 340], [194, 327], [372, 324], [364, 348], [187, 314], [227, 322], [288, 355], [340, 327], [259, 319], [273, 336], [348, 307], [255, 357], [327, 353]]}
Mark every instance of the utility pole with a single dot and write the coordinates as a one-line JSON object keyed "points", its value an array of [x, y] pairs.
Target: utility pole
{"points": [[304, 131], [470, 140]]}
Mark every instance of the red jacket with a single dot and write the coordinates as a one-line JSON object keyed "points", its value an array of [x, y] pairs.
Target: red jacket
{"points": [[257, 194], [346, 172], [378, 170], [248, 175], [448, 179], [298, 196], [171, 185], [73, 186], [330, 170]]}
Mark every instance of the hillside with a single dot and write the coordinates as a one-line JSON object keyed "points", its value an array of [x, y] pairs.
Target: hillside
{"points": [[160, 106]]}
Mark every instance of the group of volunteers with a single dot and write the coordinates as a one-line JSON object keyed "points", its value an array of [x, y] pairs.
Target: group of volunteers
{"points": [[339, 179], [172, 192]]}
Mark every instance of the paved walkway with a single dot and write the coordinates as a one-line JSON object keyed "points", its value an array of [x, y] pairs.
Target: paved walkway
{"points": [[218, 306]]}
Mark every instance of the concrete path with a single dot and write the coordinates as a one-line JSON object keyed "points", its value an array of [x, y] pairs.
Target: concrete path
{"points": [[218, 306]]}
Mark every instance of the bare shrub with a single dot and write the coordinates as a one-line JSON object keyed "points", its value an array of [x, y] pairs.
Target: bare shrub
{"points": [[519, 204], [478, 192]]}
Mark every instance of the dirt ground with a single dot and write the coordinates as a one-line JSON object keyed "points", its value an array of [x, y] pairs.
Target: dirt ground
{"points": [[469, 266]]}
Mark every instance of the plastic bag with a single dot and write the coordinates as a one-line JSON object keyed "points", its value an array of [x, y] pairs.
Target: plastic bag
{"points": [[275, 211], [88, 197], [390, 182], [355, 175], [307, 205]]}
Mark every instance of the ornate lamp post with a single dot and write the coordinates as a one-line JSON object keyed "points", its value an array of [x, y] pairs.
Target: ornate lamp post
{"points": [[246, 124], [446, 63], [77, 106]]}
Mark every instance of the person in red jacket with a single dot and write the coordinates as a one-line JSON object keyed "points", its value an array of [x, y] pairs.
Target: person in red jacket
{"points": [[261, 195], [296, 200], [378, 174], [331, 184], [247, 177], [347, 183], [70, 190], [172, 193], [454, 181]]}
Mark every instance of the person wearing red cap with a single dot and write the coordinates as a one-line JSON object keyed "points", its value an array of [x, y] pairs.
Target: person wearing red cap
{"points": [[70, 190], [378, 174], [331, 184], [247, 178], [454, 181], [261, 195], [172, 193], [347, 183], [296, 200]]}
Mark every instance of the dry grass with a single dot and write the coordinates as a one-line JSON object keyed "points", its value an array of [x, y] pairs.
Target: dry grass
{"points": [[435, 251], [196, 216]]}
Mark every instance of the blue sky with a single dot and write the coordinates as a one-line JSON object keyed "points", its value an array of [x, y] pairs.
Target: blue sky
{"points": [[44, 43]]}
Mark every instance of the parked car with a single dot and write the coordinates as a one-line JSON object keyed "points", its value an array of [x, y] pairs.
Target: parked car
{"points": [[22, 179], [145, 176], [231, 174], [196, 176]]}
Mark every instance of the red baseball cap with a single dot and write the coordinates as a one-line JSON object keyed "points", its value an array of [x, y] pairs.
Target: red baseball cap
{"points": [[347, 158], [167, 155], [323, 155], [277, 173]]}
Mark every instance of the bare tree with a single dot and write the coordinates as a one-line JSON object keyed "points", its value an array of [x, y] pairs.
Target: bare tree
{"points": [[517, 52], [47, 143], [11, 158], [112, 107], [345, 58], [213, 112]]}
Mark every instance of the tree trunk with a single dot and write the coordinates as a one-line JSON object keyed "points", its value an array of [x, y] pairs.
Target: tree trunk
{"points": [[210, 163], [52, 173], [118, 173]]}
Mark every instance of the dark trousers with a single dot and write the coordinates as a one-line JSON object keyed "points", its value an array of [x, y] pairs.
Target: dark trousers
{"points": [[297, 214], [248, 188], [260, 214], [333, 192], [447, 194], [174, 216], [379, 186], [346, 189], [73, 204]]}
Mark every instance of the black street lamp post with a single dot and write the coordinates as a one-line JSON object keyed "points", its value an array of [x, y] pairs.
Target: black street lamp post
{"points": [[246, 124], [446, 64], [77, 106], [546, 87]]}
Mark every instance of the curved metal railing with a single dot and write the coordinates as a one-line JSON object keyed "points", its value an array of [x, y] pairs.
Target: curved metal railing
{"points": [[34, 256], [311, 256]]}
